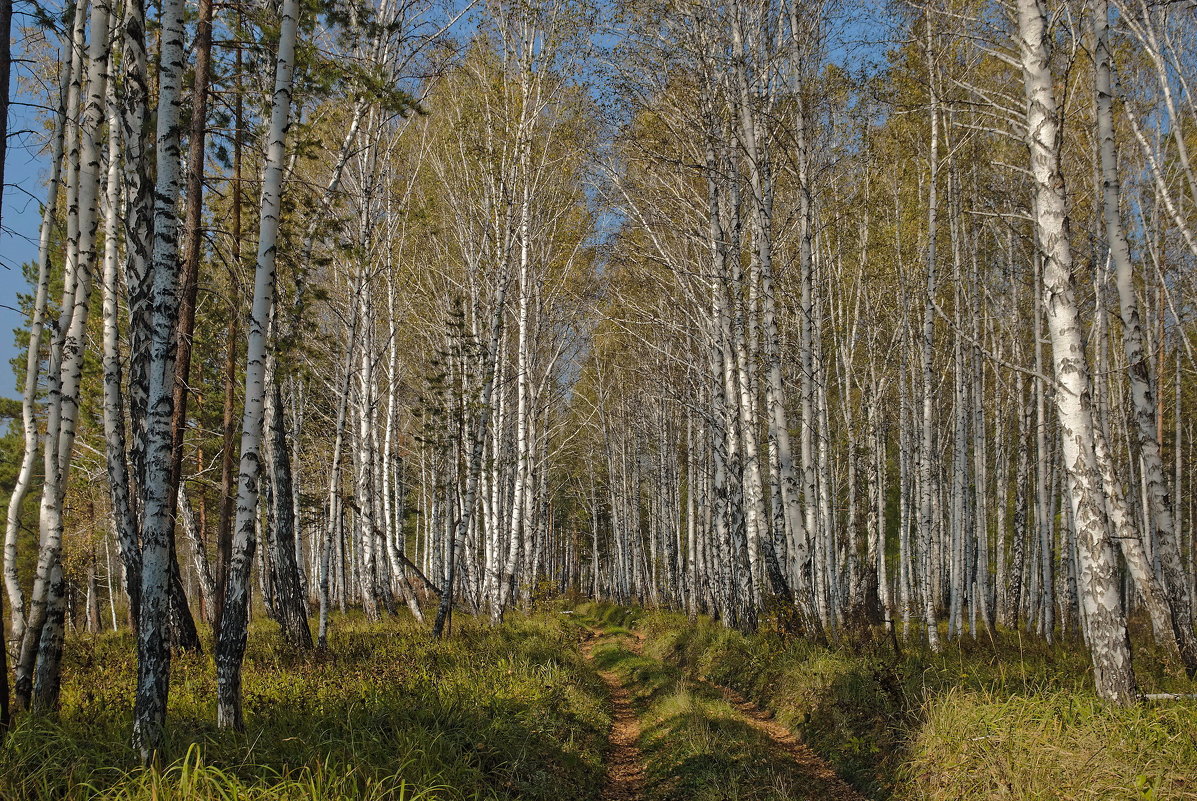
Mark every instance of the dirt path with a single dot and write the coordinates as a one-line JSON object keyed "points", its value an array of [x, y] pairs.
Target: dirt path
{"points": [[625, 773], [832, 787]]}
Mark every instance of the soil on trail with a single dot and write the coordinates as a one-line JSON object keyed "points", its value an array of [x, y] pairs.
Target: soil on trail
{"points": [[831, 787], [625, 772]]}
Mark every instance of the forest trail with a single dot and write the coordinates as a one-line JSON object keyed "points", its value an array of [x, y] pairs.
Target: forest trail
{"points": [[814, 777], [625, 771], [832, 786]]}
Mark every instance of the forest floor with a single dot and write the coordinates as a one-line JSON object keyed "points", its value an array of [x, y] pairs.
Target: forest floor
{"points": [[652, 707]]}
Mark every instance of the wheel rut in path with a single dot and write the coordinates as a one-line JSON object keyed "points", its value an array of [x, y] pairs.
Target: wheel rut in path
{"points": [[832, 787], [625, 771]]}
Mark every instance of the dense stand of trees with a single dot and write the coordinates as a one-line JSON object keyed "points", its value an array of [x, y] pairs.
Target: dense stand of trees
{"points": [[722, 307]]}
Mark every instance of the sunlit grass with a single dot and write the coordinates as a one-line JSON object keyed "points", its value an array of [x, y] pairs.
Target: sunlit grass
{"points": [[977, 743], [1008, 718], [385, 713], [694, 745]]}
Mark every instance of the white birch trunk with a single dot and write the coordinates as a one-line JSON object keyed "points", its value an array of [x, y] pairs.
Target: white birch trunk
{"points": [[1109, 645], [230, 647], [199, 553], [926, 472], [12, 585], [1142, 397], [42, 642], [157, 523], [123, 516]]}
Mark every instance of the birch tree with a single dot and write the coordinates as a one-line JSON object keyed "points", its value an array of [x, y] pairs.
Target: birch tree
{"points": [[1104, 616], [230, 647]]}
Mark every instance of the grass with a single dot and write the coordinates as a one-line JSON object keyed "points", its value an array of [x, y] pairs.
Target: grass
{"points": [[1014, 718], [1052, 745], [694, 745], [491, 713], [514, 712]]}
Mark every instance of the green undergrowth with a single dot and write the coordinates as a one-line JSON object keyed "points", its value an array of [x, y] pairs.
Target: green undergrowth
{"points": [[694, 745], [1009, 718], [510, 712]]}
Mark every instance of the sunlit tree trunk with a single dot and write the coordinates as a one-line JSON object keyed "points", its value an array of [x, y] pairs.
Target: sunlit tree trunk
{"points": [[230, 647], [12, 584], [182, 622], [38, 679], [328, 537], [1142, 397], [1044, 470], [1100, 596], [927, 445], [157, 526]]}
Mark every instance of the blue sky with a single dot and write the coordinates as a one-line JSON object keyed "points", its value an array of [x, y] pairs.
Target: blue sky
{"points": [[24, 182], [25, 174]]}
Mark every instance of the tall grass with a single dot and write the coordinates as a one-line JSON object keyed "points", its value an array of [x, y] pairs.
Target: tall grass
{"points": [[976, 743], [1008, 718], [490, 713]]}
